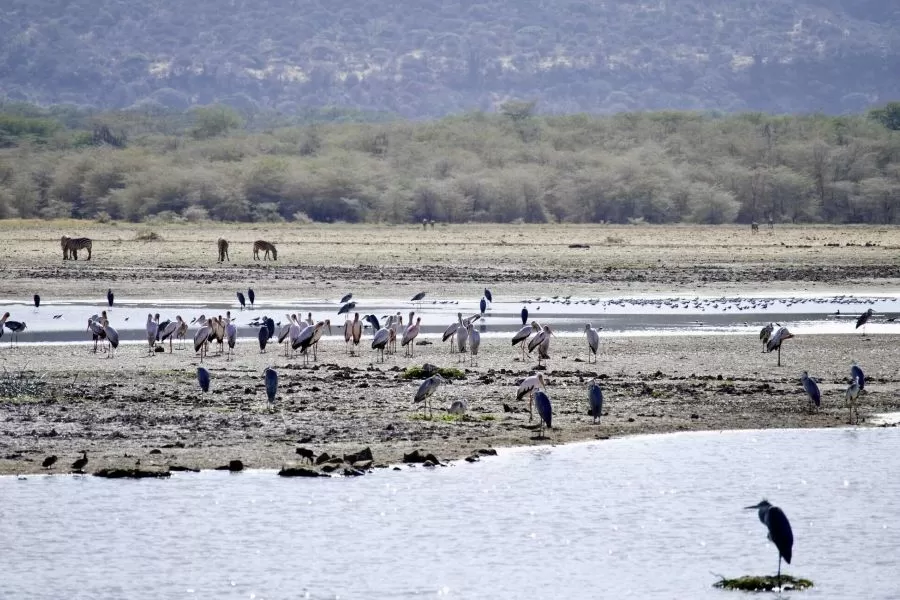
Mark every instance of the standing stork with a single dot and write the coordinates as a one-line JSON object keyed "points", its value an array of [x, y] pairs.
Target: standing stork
{"points": [[595, 399], [251, 296], [112, 336], [346, 298], [321, 326], [528, 387], [15, 327], [462, 337], [542, 342], [545, 410], [231, 336], [409, 336], [474, 343], [356, 331], [488, 295], [201, 338], [263, 337], [765, 334], [109, 298], [37, 302], [777, 339], [181, 332], [98, 333], [780, 532], [863, 319], [168, 332], [851, 395], [285, 332], [380, 341], [152, 328], [271, 377], [524, 315], [523, 334], [593, 340], [241, 300], [450, 332]]}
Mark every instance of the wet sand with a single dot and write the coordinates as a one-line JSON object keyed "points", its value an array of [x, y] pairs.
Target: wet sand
{"points": [[136, 407]]}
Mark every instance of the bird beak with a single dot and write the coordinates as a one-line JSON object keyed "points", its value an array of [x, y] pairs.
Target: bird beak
{"points": [[754, 507]]}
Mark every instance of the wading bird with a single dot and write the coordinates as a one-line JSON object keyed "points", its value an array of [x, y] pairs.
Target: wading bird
{"points": [[595, 399], [524, 316], [450, 332], [812, 390], [851, 395], [241, 300], [321, 326], [380, 341], [251, 296], [418, 297], [426, 389], [857, 373], [49, 461], [527, 388], [169, 331], [203, 379], [863, 319], [201, 338], [182, 329], [269, 322], [765, 333], [231, 337], [474, 343], [271, 377], [523, 334], [112, 336], [542, 342], [779, 528], [110, 297], [409, 336], [346, 298], [348, 336], [15, 327], [285, 332], [357, 330], [263, 337], [462, 337], [482, 305], [487, 294], [97, 331], [777, 339], [545, 410], [304, 341], [152, 328], [37, 302], [81, 463], [346, 308], [593, 340]]}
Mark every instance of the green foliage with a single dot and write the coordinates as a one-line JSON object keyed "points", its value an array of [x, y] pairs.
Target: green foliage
{"points": [[212, 121], [763, 583], [888, 115], [417, 372], [16, 129]]}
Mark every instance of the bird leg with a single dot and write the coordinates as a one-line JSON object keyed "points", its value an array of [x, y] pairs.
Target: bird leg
{"points": [[779, 355], [530, 401]]}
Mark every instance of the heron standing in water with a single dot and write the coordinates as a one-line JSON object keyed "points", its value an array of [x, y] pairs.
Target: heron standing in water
{"points": [[779, 528]]}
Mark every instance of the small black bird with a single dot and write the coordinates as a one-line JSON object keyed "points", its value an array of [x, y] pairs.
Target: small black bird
{"points": [[37, 302], [81, 462], [346, 308], [240, 297], [263, 338], [251, 296], [110, 297], [346, 299], [48, 462], [418, 297], [487, 294]]}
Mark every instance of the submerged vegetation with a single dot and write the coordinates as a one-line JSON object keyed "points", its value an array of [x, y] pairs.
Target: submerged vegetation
{"points": [[764, 583], [417, 372], [510, 166]]}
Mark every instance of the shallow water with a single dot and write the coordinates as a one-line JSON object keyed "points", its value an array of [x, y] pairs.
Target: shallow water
{"points": [[641, 517], [639, 316]]}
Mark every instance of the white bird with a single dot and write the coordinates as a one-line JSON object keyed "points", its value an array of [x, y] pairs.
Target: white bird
{"points": [[409, 336], [542, 342], [593, 339], [527, 388], [450, 332], [523, 334], [474, 343], [380, 340], [152, 329]]}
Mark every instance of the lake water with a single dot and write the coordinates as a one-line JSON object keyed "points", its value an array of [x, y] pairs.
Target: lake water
{"points": [[65, 321], [643, 517]]}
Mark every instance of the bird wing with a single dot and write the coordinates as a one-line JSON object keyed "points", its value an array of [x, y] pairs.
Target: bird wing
{"points": [[169, 330], [780, 532], [523, 334], [536, 341], [524, 388], [545, 410], [856, 372], [450, 331]]}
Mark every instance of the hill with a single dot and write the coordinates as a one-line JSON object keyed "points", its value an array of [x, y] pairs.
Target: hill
{"points": [[421, 58]]}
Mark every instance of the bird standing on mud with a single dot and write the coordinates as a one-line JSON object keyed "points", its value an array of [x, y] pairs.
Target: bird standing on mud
{"points": [[593, 339], [409, 337], [109, 298], [595, 399], [241, 300], [780, 532], [777, 339], [152, 329], [863, 319], [545, 411], [81, 463], [812, 390], [851, 395], [203, 379], [427, 389], [271, 377], [765, 333], [527, 388]]}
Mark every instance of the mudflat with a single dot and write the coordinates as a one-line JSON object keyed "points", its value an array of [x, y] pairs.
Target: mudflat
{"points": [[149, 407]]}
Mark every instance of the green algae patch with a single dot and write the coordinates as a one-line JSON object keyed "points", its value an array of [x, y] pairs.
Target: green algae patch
{"points": [[767, 583], [426, 371]]}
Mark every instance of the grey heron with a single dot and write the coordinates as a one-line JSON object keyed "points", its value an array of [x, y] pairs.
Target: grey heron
{"points": [[527, 388], [857, 373], [110, 297], [545, 410], [380, 340], [426, 389], [203, 379], [851, 395], [863, 319], [779, 528], [765, 333], [271, 378], [112, 336], [409, 336], [812, 390], [593, 339], [595, 399], [474, 343], [241, 300], [777, 339]]}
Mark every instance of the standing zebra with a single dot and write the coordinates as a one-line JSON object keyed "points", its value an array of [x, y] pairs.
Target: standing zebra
{"points": [[71, 246], [223, 250], [266, 247]]}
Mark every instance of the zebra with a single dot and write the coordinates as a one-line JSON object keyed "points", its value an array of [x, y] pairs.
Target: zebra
{"points": [[71, 246], [754, 227], [267, 247], [223, 250]]}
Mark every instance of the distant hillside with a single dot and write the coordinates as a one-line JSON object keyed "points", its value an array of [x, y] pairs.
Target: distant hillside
{"points": [[433, 57]]}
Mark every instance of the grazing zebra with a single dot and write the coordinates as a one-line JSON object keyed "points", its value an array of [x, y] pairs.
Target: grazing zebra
{"points": [[71, 246], [267, 247], [754, 227], [223, 250]]}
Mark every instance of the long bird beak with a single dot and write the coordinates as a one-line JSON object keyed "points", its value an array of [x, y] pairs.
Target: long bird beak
{"points": [[754, 507]]}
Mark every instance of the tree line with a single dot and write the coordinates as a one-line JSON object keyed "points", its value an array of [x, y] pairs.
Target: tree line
{"points": [[509, 166]]}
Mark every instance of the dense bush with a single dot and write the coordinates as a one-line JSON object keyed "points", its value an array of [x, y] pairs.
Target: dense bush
{"points": [[632, 167]]}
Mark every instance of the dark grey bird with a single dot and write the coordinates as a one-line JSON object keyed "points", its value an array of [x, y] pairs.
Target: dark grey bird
{"points": [[426, 389], [524, 316], [779, 528], [49, 461], [812, 390], [241, 300], [863, 319], [37, 302], [161, 329], [545, 410], [16, 327], [110, 297], [346, 308], [857, 373], [418, 297], [263, 338], [346, 298], [269, 322], [203, 379], [271, 377], [777, 339], [482, 305], [487, 294], [373, 321], [251, 296], [112, 336], [765, 333], [851, 395], [81, 463], [595, 398]]}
